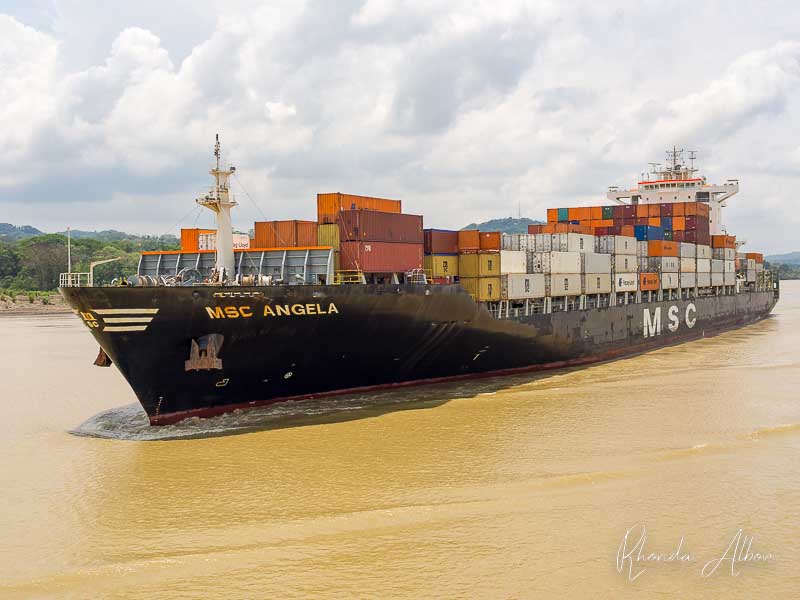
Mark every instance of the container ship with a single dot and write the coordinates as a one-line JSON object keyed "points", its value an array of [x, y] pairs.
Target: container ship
{"points": [[366, 298]]}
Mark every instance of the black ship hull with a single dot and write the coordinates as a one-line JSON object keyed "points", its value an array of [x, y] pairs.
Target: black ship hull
{"points": [[202, 351]]}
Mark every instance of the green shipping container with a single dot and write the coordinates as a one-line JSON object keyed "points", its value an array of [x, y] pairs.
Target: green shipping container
{"points": [[608, 212], [563, 215], [668, 234]]}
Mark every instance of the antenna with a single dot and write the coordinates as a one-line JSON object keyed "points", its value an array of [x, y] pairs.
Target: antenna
{"points": [[654, 167], [692, 156], [69, 252]]}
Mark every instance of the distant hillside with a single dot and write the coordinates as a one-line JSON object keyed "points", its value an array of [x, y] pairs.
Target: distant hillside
{"points": [[791, 258], [507, 225], [112, 235], [9, 232]]}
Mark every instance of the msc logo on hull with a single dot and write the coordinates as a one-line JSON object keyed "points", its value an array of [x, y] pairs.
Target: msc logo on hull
{"points": [[651, 322]]}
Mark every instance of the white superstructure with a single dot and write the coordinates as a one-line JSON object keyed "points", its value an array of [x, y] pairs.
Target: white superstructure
{"points": [[677, 182], [220, 201]]}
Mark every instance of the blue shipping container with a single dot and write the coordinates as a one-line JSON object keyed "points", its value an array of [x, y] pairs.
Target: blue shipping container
{"points": [[645, 233], [666, 222]]}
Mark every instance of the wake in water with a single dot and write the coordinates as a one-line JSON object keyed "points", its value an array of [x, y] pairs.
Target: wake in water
{"points": [[130, 422]]}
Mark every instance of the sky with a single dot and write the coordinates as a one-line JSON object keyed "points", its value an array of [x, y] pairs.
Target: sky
{"points": [[466, 111]]}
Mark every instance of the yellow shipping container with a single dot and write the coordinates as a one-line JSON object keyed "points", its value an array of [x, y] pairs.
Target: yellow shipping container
{"points": [[442, 265], [483, 289], [483, 264], [328, 235]]}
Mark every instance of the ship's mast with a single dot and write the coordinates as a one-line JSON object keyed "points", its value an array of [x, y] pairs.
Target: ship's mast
{"points": [[220, 201]]}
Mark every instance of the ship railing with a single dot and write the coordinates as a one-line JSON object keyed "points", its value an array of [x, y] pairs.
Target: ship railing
{"points": [[348, 277], [66, 280], [416, 276]]}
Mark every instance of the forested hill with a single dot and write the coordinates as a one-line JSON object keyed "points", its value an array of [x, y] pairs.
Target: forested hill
{"points": [[507, 225]]}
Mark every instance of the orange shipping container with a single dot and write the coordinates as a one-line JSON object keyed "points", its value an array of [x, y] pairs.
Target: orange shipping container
{"points": [[552, 215], [597, 213], [490, 240], [627, 230], [642, 211], [469, 240], [723, 241], [549, 228], [654, 221], [678, 210], [561, 228], [649, 282], [756, 256], [678, 223], [190, 238], [329, 205], [285, 234], [653, 210], [663, 248], [580, 213]]}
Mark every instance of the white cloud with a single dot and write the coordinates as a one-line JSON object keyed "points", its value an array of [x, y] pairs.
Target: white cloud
{"points": [[462, 111]]}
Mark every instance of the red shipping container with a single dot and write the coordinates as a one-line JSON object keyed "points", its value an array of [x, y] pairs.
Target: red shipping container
{"points": [[618, 212], [666, 209], [380, 257], [642, 221], [375, 226], [534, 229], [695, 236], [469, 239], [678, 236], [441, 241], [490, 240], [692, 222]]}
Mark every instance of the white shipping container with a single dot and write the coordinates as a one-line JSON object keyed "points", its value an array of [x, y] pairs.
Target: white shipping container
{"points": [[703, 265], [703, 280], [751, 264], [597, 283], [527, 241], [555, 262], [688, 250], [596, 263], [717, 266], [703, 251], [669, 281], [207, 241], [717, 279], [513, 261], [518, 286], [241, 241], [624, 244], [663, 264], [644, 263], [564, 284], [688, 265], [626, 282], [729, 277], [688, 280], [543, 242], [641, 249], [728, 266], [509, 241], [751, 276], [579, 242], [626, 263], [724, 253], [560, 242]]}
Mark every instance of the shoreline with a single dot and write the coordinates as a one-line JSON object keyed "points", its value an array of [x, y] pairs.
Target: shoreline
{"points": [[23, 307]]}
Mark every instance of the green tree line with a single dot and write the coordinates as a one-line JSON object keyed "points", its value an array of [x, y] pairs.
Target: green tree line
{"points": [[784, 270], [35, 263]]}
